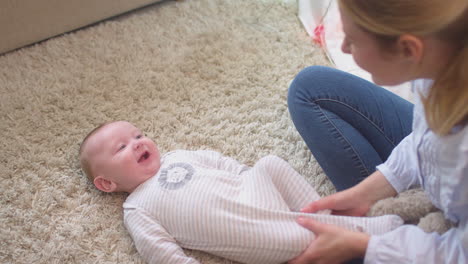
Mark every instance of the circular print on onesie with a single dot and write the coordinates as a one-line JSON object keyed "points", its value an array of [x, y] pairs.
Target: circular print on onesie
{"points": [[176, 175]]}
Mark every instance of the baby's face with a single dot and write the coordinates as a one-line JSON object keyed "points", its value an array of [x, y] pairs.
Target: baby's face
{"points": [[120, 153]]}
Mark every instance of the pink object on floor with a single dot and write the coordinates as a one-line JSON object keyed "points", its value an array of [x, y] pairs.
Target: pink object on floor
{"points": [[319, 34]]}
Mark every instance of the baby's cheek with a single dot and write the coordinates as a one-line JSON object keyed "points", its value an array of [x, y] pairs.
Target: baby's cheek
{"points": [[126, 162]]}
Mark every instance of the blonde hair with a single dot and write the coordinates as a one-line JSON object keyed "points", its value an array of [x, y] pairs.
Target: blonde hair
{"points": [[84, 161], [445, 105]]}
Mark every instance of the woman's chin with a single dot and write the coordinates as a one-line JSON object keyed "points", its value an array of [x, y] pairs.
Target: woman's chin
{"points": [[382, 82]]}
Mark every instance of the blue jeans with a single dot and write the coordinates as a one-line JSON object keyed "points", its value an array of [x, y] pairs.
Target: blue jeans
{"points": [[350, 125]]}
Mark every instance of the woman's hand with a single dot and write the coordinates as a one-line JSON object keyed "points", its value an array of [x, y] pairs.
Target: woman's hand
{"points": [[357, 200], [346, 202], [334, 244], [331, 245]]}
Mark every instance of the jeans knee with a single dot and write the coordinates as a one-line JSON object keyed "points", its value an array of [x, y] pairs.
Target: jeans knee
{"points": [[303, 86], [310, 79], [316, 71]]}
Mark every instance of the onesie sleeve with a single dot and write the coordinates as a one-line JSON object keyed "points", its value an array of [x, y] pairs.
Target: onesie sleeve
{"points": [[400, 168], [152, 241], [218, 161], [410, 244]]}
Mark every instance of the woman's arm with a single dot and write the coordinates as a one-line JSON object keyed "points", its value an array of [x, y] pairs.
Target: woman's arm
{"points": [[357, 200], [410, 244]]}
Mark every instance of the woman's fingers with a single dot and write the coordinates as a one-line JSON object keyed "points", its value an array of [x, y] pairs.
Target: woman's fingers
{"points": [[319, 205]]}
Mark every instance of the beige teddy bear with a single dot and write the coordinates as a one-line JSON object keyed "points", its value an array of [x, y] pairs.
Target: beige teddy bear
{"points": [[414, 207]]}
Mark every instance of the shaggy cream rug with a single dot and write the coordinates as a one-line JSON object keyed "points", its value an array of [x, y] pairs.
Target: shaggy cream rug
{"points": [[195, 74]]}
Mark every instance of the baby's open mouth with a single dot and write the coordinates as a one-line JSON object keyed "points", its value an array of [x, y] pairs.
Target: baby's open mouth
{"points": [[144, 156]]}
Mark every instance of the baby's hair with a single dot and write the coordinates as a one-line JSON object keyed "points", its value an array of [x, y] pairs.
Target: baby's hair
{"points": [[84, 162]]}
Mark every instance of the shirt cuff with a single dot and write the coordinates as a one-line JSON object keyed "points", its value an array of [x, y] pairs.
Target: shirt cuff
{"points": [[388, 174], [371, 251]]}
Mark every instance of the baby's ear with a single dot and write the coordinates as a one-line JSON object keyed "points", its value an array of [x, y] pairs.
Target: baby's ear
{"points": [[104, 184]]}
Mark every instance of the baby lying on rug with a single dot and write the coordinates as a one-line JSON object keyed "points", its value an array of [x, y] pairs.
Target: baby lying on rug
{"points": [[205, 201]]}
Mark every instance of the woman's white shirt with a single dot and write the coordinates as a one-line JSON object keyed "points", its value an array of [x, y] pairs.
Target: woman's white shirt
{"points": [[440, 166]]}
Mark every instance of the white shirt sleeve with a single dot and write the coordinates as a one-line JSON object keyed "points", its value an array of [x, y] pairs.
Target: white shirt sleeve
{"points": [[152, 241], [401, 168], [410, 244]]}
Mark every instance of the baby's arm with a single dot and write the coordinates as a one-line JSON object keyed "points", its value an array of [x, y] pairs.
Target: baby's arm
{"points": [[217, 160], [152, 241]]}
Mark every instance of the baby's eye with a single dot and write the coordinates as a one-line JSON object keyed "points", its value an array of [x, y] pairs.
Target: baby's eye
{"points": [[122, 146], [139, 136]]}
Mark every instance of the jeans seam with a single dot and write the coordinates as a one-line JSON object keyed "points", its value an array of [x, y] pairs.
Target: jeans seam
{"points": [[346, 140], [358, 112]]}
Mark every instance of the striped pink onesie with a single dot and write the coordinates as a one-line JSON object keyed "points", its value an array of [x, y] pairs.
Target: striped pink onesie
{"points": [[205, 201]]}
